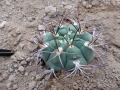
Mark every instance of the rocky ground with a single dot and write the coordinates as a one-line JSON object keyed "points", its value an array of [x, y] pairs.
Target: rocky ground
{"points": [[19, 21]]}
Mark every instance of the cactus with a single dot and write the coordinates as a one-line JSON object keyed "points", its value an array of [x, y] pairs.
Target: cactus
{"points": [[66, 46]]}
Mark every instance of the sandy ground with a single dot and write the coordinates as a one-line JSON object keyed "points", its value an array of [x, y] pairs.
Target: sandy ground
{"points": [[23, 18]]}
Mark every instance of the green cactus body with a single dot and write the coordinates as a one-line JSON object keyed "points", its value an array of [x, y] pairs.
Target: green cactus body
{"points": [[60, 54]]}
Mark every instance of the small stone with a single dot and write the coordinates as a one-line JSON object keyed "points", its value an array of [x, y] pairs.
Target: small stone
{"points": [[5, 76], [8, 3], [113, 2], [11, 70], [75, 86], [32, 46], [3, 24], [100, 86], [20, 55], [41, 27], [39, 77], [18, 89], [116, 40], [32, 78], [32, 85], [28, 59], [64, 3], [17, 72], [21, 69], [30, 19], [35, 89], [84, 3], [26, 73], [13, 58], [15, 65], [21, 45], [69, 7], [23, 63], [18, 30], [50, 9], [12, 77], [15, 87], [1, 79], [54, 87], [18, 39], [31, 24], [89, 6], [9, 85], [95, 3]]}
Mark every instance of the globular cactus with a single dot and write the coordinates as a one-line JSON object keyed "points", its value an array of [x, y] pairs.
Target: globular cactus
{"points": [[66, 46]]}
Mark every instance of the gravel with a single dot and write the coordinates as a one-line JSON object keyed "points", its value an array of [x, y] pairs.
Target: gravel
{"points": [[21, 69], [20, 20], [5, 76], [32, 85], [23, 62], [39, 77], [12, 78], [15, 87], [9, 85], [1, 79]]}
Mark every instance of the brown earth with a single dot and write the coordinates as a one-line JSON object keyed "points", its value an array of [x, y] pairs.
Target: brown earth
{"points": [[23, 18]]}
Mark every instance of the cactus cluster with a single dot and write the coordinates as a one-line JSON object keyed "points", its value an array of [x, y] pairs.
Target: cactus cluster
{"points": [[67, 47]]}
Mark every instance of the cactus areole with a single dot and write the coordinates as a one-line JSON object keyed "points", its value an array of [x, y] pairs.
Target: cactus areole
{"points": [[65, 46]]}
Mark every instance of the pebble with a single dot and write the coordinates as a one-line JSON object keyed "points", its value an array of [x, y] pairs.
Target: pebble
{"points": [[21, 45], [54, 87], [41, 27], [31, 46], [100, 86], [32, 85], [32, 78], [75, 86], [15, 65], [5, 76], [95, 3], [28, 59], [89, 6], [3, 24], [113, 2], [69, 7], [31, 24], [11, 70], [35, 89], [12, 77], [18, 39], [26, 73], [9, 85], [18, 30], [13, 58], [15, 87], [50, 10], [21, 69], [30, 19], [8, 3], [18, 89], [1, 79], [64, 3], [20, 55], [39, 77], [23, 63], [84, 3]]}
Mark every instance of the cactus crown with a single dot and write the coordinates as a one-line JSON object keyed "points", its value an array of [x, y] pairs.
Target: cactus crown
{"points": [[65, 46]]}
